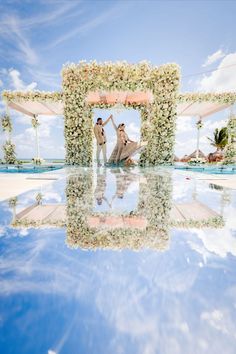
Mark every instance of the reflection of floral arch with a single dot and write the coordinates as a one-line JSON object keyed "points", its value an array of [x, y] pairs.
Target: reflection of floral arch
{"points": [[154, 205], [157, 119]]}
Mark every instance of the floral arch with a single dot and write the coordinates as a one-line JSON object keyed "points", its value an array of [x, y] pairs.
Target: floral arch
{"points": [[157, 117]]}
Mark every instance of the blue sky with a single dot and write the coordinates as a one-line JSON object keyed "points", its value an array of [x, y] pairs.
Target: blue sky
{"points": [[37, 38]]}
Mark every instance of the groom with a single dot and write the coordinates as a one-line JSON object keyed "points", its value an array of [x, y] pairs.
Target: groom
{"points": [[99, 133]]}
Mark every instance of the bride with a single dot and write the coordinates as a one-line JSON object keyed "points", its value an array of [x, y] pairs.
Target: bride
{"points": [[124, 148]]}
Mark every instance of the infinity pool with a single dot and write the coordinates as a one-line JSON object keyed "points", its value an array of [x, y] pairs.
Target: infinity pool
{"points": [[224, 170], [29, 169], [119, 261]]}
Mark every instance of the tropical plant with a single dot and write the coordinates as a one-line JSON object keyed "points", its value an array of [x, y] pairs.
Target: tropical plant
{"points": [[220, 138]]}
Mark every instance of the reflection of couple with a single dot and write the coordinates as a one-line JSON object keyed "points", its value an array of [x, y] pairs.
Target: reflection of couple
{"points": [[100, 189], [123, 181], [124, 148]]}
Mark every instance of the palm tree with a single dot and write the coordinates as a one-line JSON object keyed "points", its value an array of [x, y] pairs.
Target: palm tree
{"points": [[220, 138]]}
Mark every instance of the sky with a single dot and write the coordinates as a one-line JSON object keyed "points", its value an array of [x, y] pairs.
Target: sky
{"points": [[55, 299], [37, 38]]}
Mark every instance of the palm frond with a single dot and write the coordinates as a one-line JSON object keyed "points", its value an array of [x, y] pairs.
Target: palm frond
{"points": [[220, 138]]}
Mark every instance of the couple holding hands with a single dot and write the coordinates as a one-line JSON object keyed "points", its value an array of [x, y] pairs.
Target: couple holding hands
{"points": [[124, 148]]}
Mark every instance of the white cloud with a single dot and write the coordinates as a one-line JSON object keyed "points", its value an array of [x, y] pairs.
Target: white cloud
{"points": [[2, 231], [211, 126], [133, 131], [201, 250], [46, 78], [218, 242], [1, 83], [214, 57], [185, 136], [221, 320], [185, 124], [184, 327], [215, 319], [49, 196], [18, 84], [24, 232], [223, 79]]}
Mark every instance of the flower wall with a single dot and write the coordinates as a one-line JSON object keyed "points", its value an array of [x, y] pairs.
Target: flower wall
{"points": [[158, 118]]}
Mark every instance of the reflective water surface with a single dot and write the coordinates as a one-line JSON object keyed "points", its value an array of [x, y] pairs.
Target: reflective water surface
{"points": [[119, 261]]}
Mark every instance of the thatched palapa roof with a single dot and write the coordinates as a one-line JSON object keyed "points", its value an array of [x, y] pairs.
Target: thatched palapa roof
{"points": [[194, 155]]}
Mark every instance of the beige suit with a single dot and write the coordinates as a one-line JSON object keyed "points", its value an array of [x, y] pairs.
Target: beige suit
{"points": [[101, 142]]}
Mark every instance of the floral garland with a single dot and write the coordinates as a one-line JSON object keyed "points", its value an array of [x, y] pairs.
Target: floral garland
{"points": [[6, 123], [9, 152], [199, 124], [230, 149], [8, 147], [35, 122], [28, 224], [223, 98], [19, 96], [214, 222], [39, 198], [80, 79], [12, 202]]}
